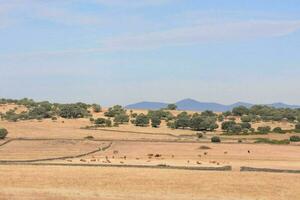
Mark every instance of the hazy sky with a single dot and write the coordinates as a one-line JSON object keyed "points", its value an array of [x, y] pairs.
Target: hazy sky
{"points": [[124, 51]]}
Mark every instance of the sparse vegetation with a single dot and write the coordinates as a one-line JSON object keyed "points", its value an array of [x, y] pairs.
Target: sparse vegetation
{"points": [[215, 139], [3, 133], [295, 138]]}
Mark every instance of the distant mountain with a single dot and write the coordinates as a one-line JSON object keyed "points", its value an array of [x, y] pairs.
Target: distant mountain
{"points": [[283, 105], [147, 105], [191, 104]]}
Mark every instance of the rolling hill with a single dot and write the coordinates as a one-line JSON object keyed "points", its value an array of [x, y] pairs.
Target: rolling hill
{"points": [[191, 104]]}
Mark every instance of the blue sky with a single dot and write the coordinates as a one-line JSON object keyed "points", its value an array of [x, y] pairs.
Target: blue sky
{"points": [[124, 51]]}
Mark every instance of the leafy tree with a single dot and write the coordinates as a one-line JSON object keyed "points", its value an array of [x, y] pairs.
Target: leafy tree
{"points": [[155, 121], [72, 111], [115, 110], [96, 108], [201, 123], [142, 120], [3, 133], [182, 120], [121, 118], [240, 111], [227, 113], [246, 118], [221, 118], [245, 125], [227, 125], [172, 107], [208, 113]]}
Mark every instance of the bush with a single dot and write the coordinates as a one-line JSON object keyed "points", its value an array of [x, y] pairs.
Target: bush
{"points": [[100, 121], [3, 133], [278, 130], [297, 126], [264, 129], [108, 123], [54, 118], [199, 135], [295, 138], [216, 139]]}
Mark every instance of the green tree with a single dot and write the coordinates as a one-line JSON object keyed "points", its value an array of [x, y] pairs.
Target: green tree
{"points": [[121, 118], [96, 108], [240, 111], [172, 107], [142, 120], [155, 121], [182, 120], [115, 110]]}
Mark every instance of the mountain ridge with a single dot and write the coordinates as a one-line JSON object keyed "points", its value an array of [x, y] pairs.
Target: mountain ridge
{"points": [[194, 105]]}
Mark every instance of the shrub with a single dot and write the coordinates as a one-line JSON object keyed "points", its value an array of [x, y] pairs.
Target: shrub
{"points": [[297, 126], [216, 139], [264, 129], [3, 133], [295, 138], [108, 123], [199, 135], [92, 119], [89, 137], [54, 118], [278, 130], [100, 121]]}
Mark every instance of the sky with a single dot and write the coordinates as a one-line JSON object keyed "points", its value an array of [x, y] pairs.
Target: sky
{"points": [[125, 51]]}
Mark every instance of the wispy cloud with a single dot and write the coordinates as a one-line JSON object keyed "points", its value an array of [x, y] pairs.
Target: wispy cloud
{"points": [[183, 36], [132, 3], [203, 33]]}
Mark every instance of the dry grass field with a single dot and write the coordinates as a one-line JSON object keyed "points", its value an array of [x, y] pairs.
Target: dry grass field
{"points": [[108, 165]]}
